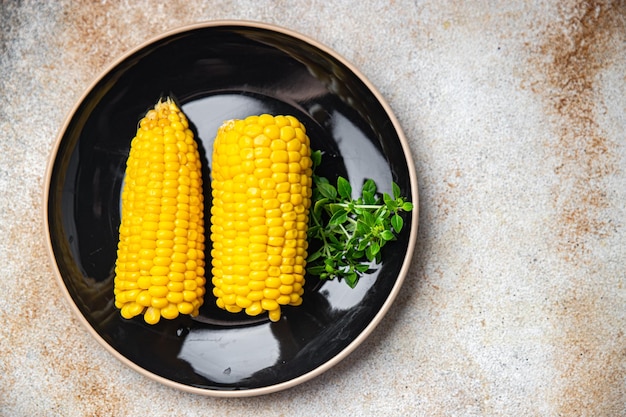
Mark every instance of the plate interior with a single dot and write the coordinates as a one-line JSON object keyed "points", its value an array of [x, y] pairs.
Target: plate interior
{"points": [[218, 73]]}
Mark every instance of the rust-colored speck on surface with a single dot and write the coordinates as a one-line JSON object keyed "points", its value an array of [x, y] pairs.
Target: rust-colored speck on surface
{"points": [[574, 50]]}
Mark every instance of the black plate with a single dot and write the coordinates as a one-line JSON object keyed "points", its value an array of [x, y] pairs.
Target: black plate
{"points": [[219, 71]]}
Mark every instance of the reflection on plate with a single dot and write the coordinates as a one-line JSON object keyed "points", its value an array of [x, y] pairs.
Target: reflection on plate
{"points": [[218, 71]]}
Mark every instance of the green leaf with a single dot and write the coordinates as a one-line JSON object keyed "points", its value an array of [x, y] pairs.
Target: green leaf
{"points": [[397, 222], [332, 208], [369, 186], [407, 206], [375, 247], [339, 263], [368, 198], [378, 258], [320, 180], [381, 214], [344, 188], [361, 228], [339, 217], [327, 190], [351, 279], [315, 255], [316, 158], [372, 250], [389, 202], [396, 190], [332, 238], [319, 206], [387, 235], [368, 254], [368, 219], [315, 270]]}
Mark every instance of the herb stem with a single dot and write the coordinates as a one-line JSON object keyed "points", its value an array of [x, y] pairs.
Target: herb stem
{"points": [[360, 206], [351, 231], [345, 232]]}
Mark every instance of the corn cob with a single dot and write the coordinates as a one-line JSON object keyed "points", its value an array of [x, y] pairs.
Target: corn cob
{"points": [[261, 189], [160, 259]]}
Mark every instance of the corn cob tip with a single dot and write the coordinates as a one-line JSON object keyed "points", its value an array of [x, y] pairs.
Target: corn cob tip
{"points": [[160, 258]]}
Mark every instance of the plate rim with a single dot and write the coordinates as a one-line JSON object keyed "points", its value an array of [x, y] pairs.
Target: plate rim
{"points": [[373, 323]]}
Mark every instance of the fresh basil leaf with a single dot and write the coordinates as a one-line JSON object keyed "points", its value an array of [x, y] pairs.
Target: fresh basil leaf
{"points": [[316, 158], [315, 270], [369, 186], [351, 279], [396, 190], [327, 190], [387, 235], [368, 198], [339, 217], [343, 188], [397, 222]]}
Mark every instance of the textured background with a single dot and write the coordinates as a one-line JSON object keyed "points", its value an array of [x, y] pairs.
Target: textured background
{"points": [[516, 116]]}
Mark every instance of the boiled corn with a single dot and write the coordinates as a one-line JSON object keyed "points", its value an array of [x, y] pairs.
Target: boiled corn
{"points": [[160, 263], [261, 189]]}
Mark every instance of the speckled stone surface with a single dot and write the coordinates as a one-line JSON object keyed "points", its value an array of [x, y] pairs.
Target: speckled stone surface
{"points": [[516, 116]]}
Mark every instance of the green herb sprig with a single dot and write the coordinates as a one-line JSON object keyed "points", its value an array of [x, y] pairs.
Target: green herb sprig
{"points": [[351, 232]]}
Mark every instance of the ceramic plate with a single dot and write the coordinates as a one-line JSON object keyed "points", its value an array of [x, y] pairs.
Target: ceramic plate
{"points": [[219, 71]]}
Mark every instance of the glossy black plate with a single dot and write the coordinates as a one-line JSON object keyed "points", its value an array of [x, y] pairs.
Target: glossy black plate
{"points": [[218, 71]]}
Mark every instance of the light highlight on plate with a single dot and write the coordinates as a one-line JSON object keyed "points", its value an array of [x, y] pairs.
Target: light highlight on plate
{"points": [[219, 355]]}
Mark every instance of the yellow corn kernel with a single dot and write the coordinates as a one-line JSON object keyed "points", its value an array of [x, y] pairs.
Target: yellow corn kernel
{"points": [[160, 262], [261, 181]]}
